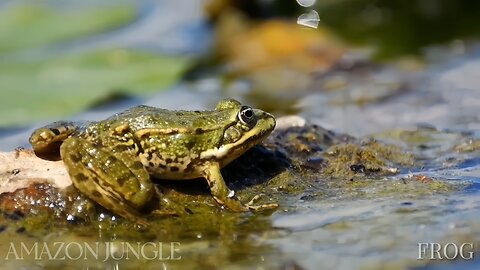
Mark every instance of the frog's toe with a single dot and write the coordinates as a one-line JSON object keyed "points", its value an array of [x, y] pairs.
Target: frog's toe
{"points": [[262, 207], [255, 198], [250, 205]]}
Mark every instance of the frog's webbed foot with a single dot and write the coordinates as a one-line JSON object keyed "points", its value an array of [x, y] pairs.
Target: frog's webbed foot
{"points": [[115, 180], [224, 196], [46, 140]]}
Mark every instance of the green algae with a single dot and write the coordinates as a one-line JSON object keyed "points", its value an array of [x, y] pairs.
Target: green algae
{"points": [[345, 160], [421, 138]]}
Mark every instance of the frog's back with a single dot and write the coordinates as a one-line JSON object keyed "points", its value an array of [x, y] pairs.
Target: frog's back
{"points": [[146, 117], [143, 119]]}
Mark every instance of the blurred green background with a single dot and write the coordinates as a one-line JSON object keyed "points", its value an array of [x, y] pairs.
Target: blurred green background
{"points": [[39, 81], [44, 76]]}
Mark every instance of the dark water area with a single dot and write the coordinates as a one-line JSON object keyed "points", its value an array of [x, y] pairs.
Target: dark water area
{"points": [[403, 27]]}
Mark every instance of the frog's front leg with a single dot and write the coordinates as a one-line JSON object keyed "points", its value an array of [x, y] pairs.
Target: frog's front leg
{"points": [[224, 196], [114, 179]]}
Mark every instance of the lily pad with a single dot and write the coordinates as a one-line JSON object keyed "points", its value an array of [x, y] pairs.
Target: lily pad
{"points": [[39, 24], [63, 85]]}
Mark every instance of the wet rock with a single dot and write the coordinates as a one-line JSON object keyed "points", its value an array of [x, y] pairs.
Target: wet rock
{"points": [[22, 167]]}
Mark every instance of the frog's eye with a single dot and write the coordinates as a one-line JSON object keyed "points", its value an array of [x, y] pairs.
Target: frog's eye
{"points": [[246, 116]]}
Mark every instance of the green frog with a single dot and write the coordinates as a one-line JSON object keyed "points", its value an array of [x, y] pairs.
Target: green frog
{"points": [[111, 161]]}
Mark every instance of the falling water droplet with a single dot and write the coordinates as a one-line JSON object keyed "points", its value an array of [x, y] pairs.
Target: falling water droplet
{"points": [[309, 19], [306, 3]]}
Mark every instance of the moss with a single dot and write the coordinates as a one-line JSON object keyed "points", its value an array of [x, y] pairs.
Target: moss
{"points": [[346, 160]]}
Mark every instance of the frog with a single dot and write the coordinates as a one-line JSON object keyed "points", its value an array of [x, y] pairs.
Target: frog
{"points": [[113, 161]]}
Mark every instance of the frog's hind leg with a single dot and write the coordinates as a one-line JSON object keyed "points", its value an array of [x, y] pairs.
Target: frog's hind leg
{"points": [[114, 179], [46, 140]]}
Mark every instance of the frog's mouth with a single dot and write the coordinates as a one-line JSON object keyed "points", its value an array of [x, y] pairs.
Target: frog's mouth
{"points": [[228, 152]]}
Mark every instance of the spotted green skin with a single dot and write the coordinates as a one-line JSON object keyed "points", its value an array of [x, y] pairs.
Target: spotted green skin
{"points": [[111, 161]]}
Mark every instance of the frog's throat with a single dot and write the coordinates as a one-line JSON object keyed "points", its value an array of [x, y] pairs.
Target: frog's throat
{"points": [[248, 140]]}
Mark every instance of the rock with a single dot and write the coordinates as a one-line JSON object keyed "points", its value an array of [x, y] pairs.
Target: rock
{"points": [[21, 167], [290, 121]]}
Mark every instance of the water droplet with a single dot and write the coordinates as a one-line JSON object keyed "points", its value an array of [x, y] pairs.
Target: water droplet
{"points": [[306, 3], [309, 19]]}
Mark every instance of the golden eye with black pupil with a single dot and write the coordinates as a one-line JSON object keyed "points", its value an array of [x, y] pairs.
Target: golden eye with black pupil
{"points": [[246, 116]]}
